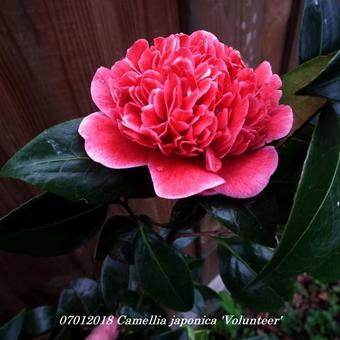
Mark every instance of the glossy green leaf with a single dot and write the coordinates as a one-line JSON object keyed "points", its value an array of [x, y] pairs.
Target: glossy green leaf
{"points": [[185, 213], [229, 305], [163, 272], [304, 107], [320, 34], [178, 334], [114, 282], [239, 263], [55, 161], [327, 84], [201, 334], [312, 232], [291, 157], [329, 270], [252, 219], [49, 225], [32, 322], [12, 329], [284, 182], [196, 266], [115, 230], [140, 305], [39, 320], [81, 297], [320, 29]]}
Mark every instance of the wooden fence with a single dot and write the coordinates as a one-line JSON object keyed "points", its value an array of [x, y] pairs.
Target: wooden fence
{"points": [[49, 51]]}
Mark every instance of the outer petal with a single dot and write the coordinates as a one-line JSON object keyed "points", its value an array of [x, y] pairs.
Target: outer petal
{"points": [[105, 144], [178, 177], [248, 174], [100, 90], [280, 123]]}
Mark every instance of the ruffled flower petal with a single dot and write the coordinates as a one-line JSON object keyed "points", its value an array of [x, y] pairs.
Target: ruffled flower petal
{"points": [[105, 144]]}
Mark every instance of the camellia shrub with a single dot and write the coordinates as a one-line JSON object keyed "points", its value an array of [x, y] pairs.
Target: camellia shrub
{"points": [[185, 118]]}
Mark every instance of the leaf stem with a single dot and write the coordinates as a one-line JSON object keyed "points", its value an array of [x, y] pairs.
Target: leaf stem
{"points": [[212, 233], [124, 203]]}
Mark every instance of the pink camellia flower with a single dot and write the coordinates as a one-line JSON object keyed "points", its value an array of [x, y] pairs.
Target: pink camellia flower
{"points": [[105, 331], [191, 110]]}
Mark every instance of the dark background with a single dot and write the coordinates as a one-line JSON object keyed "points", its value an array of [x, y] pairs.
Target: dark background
{"points": [[49, 51]]}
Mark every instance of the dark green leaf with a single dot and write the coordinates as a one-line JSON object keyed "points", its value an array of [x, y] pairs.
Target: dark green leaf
{"points": [[49, 225], [178, 334], [139, 305], [253, 219], [284, 182], [320, 29], [81, 297], [173, 286], [327, 84], [209, 295], [195, 265], [114, 230], [291, 157], [328, 271], [55, 161], [239, 263], [39, 320], [186, 213], [133, 278], [320, 34], [229, 305], [200, 334], [312, 231], [304, 107], [12, 329], [114, 282]]}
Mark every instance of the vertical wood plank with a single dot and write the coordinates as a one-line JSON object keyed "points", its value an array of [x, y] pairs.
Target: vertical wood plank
{"points": [[49, 53], [257, 28], [50, 50]]}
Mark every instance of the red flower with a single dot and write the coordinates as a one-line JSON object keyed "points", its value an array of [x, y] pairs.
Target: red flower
{"points": [[189, 109]]}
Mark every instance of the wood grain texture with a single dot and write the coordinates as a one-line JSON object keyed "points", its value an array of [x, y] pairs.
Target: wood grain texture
{"points": [[257, 28], [49, 51]]}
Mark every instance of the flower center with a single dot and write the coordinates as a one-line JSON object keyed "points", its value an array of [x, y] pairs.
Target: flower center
{"points": [[192, 99]]}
